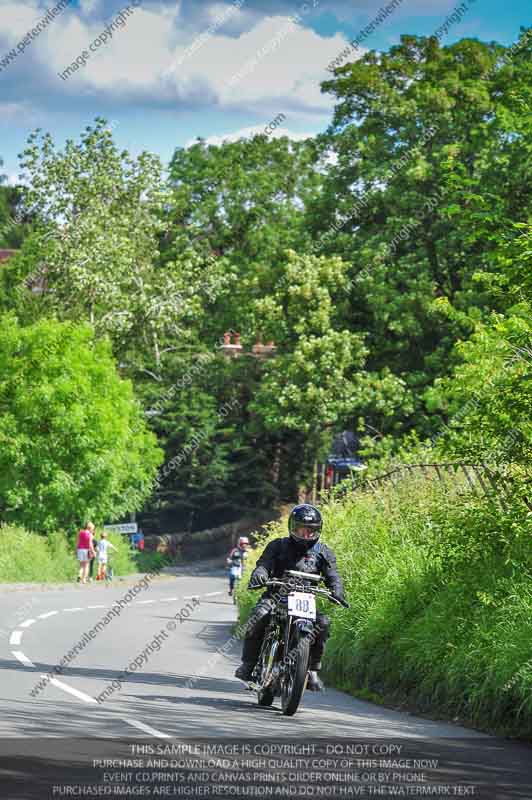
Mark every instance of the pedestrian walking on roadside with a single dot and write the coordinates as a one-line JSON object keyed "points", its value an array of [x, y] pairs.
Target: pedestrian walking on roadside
{"points": [[103, 547], [84, 549]]}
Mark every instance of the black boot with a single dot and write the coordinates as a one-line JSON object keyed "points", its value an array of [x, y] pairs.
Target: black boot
{"points": [[314, 682], [245, 671]]}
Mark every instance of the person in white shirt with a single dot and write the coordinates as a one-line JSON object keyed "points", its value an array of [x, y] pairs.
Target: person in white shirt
{"points": [[103, 547], [235, 561]]}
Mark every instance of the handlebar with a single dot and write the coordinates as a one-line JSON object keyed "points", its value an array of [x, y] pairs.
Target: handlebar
{"points": [[311, 590]]}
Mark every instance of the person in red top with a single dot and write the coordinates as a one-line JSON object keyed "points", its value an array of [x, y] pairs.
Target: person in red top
{"points": [[85, 547]]}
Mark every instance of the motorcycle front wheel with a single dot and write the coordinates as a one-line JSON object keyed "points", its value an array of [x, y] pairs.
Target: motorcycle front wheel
{"points": [[295, 678], [265, 694]]}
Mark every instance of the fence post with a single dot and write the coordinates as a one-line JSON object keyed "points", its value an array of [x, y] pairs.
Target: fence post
{"points": [[469, 480]]}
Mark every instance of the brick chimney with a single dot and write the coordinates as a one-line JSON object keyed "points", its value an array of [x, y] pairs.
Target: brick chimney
{"points": [[229, 348]]}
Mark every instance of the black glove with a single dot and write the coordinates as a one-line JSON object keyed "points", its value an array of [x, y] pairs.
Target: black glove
{"points": [[341, 600], [258, 578]]}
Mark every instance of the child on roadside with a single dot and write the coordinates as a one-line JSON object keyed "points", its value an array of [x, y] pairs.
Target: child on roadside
{"points": [[103, 547]]}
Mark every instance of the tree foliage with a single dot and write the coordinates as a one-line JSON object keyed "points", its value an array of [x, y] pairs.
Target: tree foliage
{"points": [[388, 259], [431, 155], [73, 440], [489, 395], [14, 226], [99, 215]]}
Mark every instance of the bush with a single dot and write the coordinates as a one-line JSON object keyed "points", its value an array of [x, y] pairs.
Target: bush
{"points": [[146, 561], [27, 557], [440, 590], [74, 444]]}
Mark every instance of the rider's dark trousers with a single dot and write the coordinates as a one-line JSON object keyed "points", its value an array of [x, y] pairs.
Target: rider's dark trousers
{"points": [[258, 622]]}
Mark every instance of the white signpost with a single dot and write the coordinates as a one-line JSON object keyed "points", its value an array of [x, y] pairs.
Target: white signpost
{"points": [[126, 527]]}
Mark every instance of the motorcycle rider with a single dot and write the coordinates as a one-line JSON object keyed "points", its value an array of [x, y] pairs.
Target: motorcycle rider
{"points": [[301, 551], [235, 561]]}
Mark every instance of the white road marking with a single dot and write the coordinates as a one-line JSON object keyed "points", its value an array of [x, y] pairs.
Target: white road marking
{"points": [[22, 658], [16, 637], [66, 688], [146, 728]]}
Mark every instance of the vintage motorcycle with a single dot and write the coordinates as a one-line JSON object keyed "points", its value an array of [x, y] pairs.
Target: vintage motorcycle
{"points": [[282, 665]]}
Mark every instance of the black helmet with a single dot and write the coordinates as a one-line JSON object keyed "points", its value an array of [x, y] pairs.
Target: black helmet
{"points": [[304, 524]]}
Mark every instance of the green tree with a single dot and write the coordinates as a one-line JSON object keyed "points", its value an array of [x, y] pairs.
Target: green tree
{"points": [[489, 396], [318, 382], [241, 206], [99, 214], [73, 440], [430, 153], [13, 225], [218, 458]]}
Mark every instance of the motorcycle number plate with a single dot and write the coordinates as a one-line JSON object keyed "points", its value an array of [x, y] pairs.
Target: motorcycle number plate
{"points": [[301, 604]]}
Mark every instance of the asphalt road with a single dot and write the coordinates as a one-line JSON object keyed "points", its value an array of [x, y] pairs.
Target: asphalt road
{"points": [[185, 687]]}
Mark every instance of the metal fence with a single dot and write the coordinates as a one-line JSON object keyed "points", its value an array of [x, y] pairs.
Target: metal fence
{"points": [[479, 479]]}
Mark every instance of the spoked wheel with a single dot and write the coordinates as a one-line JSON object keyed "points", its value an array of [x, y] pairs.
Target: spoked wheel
{"points": [[265, 694], [295, 678]]}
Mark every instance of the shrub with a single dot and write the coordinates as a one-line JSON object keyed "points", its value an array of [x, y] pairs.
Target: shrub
{"points": [[73, 439], [27, 557], [440, 590]]}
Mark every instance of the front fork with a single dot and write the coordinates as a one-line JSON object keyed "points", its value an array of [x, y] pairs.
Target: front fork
{"points": [[296, 628]]}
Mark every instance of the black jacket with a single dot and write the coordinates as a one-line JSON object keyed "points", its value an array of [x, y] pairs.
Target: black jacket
{"points": [[283, 554]]}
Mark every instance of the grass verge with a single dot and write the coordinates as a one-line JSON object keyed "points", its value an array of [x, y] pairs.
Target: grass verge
{"points": [[440, 590], [27, 557]]}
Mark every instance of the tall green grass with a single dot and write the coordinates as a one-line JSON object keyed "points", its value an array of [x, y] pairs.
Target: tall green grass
{"points": [[440, 590], [27, 557]]}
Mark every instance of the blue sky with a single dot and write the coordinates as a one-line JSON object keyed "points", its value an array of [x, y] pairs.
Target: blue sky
{"points": [[173, 71]]}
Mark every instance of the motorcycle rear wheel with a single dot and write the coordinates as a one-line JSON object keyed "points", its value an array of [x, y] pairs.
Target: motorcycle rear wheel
{"points": [[295, 679]]}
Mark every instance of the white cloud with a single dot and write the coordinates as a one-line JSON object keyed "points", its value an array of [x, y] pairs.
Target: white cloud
{"points": [[11, 113], [248, 133], [13, 180], [277, 64], [21, 18], [90, 6], [276, 60]]}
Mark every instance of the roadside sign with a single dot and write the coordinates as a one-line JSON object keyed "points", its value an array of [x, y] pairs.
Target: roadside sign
{"points": [[126, 527]]}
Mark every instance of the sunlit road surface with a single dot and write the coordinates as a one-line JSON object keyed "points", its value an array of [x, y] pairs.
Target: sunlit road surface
{"points": [[184, 688]]}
